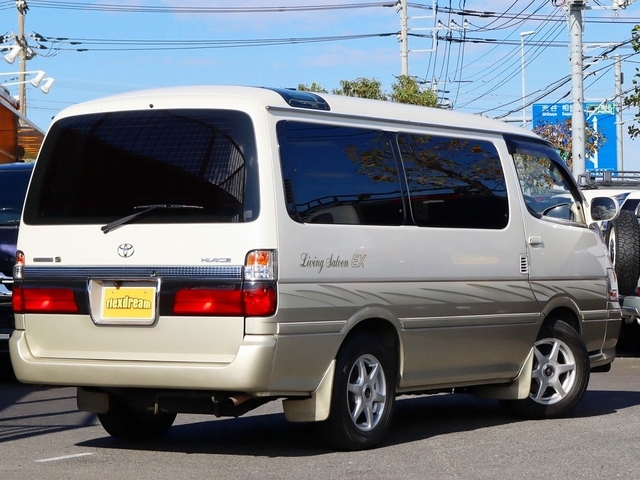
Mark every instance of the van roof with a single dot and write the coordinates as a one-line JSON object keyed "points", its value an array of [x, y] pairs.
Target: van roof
{"points": [[178, 97]]}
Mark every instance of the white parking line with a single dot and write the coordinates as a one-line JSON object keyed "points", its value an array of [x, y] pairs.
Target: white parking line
{"points": [[64, 457]]}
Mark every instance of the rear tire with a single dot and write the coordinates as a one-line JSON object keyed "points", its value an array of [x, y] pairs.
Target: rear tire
{"points": [[623, 244], [560, 374], [124, 423], [363, 394]]}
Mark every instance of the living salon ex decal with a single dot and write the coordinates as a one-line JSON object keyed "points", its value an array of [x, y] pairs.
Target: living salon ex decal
{"points": [[332, 261]]}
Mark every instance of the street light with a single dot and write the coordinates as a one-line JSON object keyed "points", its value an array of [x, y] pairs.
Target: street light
{"points": [[524, 94]]}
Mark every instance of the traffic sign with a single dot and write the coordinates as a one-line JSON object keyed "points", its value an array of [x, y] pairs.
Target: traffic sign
{"points": [[601, 117]]}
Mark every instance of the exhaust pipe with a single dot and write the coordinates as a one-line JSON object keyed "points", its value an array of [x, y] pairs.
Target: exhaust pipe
{"points": [[238, 399]]}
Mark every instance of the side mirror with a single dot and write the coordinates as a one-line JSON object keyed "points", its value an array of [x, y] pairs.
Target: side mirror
{"points": [[604, 209]]}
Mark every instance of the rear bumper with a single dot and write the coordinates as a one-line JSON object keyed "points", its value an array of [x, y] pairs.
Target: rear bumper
{"points": [[250, 371], [607, 352], [631, 309]]}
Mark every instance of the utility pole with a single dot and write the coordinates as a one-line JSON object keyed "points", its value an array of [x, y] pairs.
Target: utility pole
{"points": [[618, 103], [575, 10], [576, 7], [522, 64], [401, 7], [22, 7]]}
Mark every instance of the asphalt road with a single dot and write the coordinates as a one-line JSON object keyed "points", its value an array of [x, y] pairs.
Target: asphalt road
{"points": [[44, 436]]}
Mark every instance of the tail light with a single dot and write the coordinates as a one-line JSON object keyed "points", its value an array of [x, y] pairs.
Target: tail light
{"points": [[260, 265], [612, 285], [18, 268], [256, 297], [43, 300]]}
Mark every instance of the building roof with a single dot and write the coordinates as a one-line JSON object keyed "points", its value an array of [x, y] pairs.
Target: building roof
{"points": [[20, 139]]}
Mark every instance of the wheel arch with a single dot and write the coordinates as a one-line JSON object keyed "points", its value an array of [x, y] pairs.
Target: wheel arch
{"points": [[376, 321], [381, 323], [564, 309]]}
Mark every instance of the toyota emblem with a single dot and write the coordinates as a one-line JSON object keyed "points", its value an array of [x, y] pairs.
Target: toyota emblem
{"points": [[125, 250]]}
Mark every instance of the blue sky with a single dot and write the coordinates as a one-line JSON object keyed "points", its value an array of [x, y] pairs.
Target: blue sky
{"points": [[475, 76]]}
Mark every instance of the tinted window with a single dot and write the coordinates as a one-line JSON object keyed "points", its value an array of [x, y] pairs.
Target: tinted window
{"points": [[100, 167], [454, 182], [13, 186], [547, 186], [340, 175]]}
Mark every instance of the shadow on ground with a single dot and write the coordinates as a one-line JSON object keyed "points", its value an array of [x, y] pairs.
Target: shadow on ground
{"points": [[415, 418]]}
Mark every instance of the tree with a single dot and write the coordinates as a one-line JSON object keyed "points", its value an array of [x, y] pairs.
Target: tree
{"points": [[405, 90], [633, 99], [561, 136], [314, 87], [361, 87]]}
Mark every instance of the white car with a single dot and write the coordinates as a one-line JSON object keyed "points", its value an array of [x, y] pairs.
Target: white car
{"points": [[622, 236]]}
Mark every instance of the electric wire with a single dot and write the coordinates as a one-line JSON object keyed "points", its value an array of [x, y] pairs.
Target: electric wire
{"points": [[561, 82], [110, 7], [508, 66]]}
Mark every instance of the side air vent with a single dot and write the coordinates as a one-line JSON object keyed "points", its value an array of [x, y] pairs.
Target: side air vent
{"points": [[524, 264]]}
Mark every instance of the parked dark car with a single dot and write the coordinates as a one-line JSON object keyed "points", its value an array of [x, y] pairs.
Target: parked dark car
{"points": [[14, 178]]}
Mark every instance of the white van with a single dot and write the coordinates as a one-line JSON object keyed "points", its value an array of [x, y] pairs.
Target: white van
{"points": [[210, 249]]}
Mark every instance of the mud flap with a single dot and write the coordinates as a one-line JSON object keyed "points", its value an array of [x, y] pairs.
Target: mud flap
{"points": [[316, 408], [519, 389]]}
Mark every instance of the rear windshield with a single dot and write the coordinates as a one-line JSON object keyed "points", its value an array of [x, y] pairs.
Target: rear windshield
{"points": [[101, 167]]}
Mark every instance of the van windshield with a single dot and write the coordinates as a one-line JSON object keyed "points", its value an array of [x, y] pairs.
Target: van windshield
{"points": [[99, 168]]}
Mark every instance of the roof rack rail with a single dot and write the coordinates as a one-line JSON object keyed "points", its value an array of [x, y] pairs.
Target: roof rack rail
{"points": [[609, 178]]}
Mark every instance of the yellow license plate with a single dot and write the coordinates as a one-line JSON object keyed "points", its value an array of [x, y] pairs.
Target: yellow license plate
{"points": [[130, 302]]}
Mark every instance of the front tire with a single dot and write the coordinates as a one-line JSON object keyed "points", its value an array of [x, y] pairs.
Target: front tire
{"points": [[124, 423], [560, 374], [363, 393]]}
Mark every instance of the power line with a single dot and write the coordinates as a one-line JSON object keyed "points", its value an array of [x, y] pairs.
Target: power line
{"points": [[57, 44], [563, 81], [110, 7]]}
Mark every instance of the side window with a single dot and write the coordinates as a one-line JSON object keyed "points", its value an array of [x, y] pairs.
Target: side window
{"points": [[547, 187], [454, 182], [339, 175]]}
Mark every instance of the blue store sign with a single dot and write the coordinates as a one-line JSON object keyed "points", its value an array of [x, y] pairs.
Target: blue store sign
{"points": [[601, 117]]}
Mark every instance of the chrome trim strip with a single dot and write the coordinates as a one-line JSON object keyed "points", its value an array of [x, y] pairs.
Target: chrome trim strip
{"points": [[308, 328], [470, 321], [217, 272], [596, 316]]}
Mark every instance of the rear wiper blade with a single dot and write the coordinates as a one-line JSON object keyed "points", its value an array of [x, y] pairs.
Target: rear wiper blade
{"points": [[142, 210]]}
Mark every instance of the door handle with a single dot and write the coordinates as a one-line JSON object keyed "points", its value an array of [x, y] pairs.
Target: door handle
{"points": [[535, 240]]}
